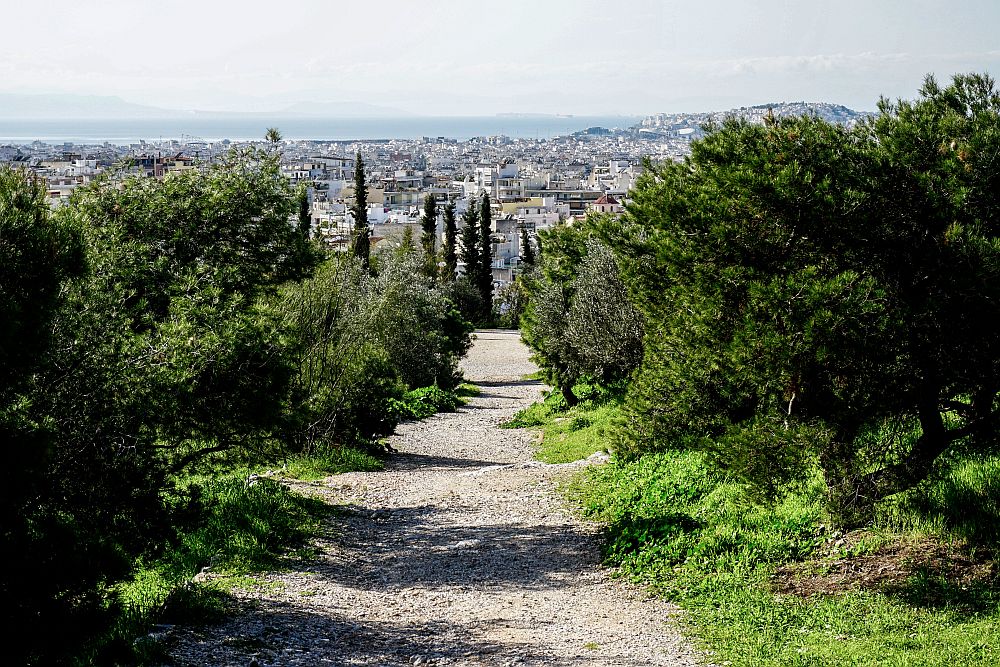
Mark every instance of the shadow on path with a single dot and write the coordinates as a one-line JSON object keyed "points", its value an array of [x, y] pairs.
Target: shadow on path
{"points": [[412, 546], [409, 461], [274, 633], [509, 383]]}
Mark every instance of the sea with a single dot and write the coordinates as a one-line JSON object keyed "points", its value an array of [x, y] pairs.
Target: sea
{"points": [[121, 132]]}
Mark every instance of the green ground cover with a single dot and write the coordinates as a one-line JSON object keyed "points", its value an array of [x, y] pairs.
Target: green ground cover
{"points": [[768, 582], [247, 522]]}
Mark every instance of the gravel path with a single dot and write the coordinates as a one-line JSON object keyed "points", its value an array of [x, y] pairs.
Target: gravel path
{"points": [[460, 553]]}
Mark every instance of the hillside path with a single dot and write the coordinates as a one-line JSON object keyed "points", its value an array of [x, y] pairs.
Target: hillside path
{"points": [[461, 552]]}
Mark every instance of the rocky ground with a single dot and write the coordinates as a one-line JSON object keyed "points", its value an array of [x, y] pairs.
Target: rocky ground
{"points": [[460, 553]]}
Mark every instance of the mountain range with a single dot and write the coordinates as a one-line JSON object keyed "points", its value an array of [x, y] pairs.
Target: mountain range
{"points": [[17, 106]]}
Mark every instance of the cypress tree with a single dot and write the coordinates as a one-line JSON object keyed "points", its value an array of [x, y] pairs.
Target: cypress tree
{"points": [[527, 251], [470, 244], [428, 226], [305, 217], [450, 241], [361, 245], [484, 281]]}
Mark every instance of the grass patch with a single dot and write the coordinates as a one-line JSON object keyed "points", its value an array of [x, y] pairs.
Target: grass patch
{"points": [[467, 390], [769, 583], [245, 524], [571, 434], [331, 460]]}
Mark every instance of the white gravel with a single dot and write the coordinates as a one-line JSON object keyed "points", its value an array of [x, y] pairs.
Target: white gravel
{"points": [[460, 553]]}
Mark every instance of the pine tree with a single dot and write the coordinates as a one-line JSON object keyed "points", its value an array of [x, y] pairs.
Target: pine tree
{"points": [[484, 279], [450, 241], [361, 245], [428, 226]]}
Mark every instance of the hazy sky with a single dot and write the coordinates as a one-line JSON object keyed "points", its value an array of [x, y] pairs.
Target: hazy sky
{"points": [[466, 57]]}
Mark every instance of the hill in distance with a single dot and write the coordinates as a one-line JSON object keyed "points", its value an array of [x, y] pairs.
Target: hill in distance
{"points": [[833, 113], [16, 106]]}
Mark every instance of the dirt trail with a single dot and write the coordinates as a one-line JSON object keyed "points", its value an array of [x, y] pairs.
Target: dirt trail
{"points": [[460, 553]]}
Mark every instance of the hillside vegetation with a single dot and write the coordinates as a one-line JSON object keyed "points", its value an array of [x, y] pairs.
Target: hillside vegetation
{"points": [[163, 342], [788, 343]]}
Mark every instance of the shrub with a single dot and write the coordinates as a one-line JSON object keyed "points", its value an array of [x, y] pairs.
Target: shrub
{"points": [[816, 294]]}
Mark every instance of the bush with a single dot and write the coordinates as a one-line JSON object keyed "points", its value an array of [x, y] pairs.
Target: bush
{"points": [[363, 341], [816, 295], [509, 304], [424, 402], [579, 320]]}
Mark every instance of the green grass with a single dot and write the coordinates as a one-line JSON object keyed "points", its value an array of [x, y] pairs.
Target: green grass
{"points": [[965, 502], [244, 525], [571, 434], [326, 461], [467, 390], [704, 541], [700, 541]]}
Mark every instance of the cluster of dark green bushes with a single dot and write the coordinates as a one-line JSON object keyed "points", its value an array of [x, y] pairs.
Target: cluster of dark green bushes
{"points": [[799, 296], [792, 353], [152, 330]]}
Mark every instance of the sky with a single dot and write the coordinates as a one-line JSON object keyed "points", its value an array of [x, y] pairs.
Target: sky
{"points": [[462, 57]]}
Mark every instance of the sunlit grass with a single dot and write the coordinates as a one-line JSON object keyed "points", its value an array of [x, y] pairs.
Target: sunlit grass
{"points": [[703, 540]]}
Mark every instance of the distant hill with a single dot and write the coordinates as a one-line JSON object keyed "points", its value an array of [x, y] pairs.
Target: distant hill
{"points": [[691, 123], [60, 106], [14, 106]]}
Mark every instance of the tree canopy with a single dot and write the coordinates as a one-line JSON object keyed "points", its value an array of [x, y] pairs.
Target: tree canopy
{"points": [[820, 294]]}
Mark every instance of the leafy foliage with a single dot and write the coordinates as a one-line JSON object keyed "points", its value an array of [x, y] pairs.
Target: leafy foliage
{"points": [[424, 402], [579, 319], [354, 333], [813, 293], [51, 564]]}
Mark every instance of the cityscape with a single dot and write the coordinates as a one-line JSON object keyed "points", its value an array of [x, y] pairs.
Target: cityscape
{"points": [[533, 183]]}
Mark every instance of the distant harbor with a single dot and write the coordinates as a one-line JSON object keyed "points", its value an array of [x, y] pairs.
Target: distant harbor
{"points": [[127, 131]]}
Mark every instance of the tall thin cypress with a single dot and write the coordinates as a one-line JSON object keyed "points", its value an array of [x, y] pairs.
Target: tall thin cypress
{"points": [[450, 241], [362, 243], [470, 244], [485, 278], [305, 213], [428, 226], [527, 251]]}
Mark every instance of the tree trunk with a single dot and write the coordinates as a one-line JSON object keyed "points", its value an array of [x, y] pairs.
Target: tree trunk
{"points": [[568, 395], [852, 497]]}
